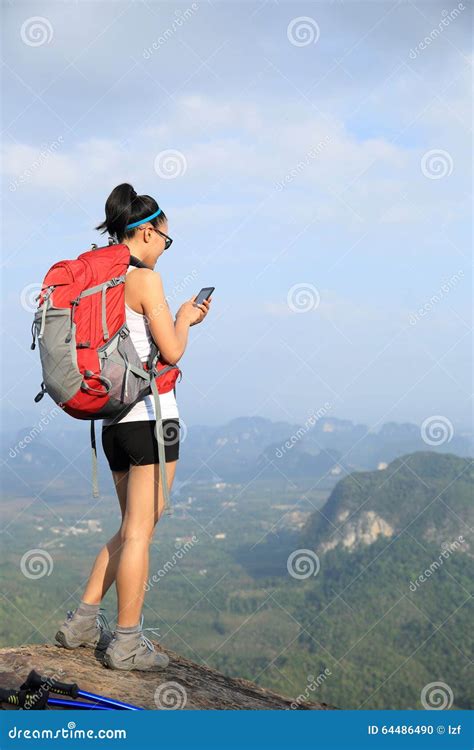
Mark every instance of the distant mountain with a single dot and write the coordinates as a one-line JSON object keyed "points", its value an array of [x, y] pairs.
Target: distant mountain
{"points": [[366, 449], [379, 582], [330, 448], [246, 447], [397, 547], [51, 462], [431, 493], [229, 451], [298, 463]]}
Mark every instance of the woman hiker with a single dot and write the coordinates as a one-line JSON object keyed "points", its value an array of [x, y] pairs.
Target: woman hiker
{"points": [[131, 447]]}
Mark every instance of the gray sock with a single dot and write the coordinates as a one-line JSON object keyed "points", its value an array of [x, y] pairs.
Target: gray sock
{"points": [[87, 610], [124, 632]]}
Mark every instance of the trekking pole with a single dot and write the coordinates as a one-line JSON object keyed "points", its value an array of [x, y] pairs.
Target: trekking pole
{"points": [[38, 700], [35, 681], [76, 704], [24, 698]]}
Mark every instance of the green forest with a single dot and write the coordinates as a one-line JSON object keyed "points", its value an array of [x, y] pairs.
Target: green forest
{"points": [[367, 629]]}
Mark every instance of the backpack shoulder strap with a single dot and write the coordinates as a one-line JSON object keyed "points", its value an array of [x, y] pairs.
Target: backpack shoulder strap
{"points": [[134, 261]]}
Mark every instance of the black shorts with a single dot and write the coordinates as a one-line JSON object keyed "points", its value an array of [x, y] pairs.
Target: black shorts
{"points": [[134, 443]]}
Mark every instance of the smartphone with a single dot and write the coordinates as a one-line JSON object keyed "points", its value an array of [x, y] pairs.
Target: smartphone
{"points": [[205, 293]]}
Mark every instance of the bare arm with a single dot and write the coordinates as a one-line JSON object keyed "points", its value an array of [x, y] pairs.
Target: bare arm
{"points": [[170, 336]]}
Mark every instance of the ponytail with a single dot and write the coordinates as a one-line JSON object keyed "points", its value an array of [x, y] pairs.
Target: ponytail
{"points": [[123, 207]]}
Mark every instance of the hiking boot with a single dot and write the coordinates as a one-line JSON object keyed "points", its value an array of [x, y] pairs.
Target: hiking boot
{"points": [[80, 630], [134, 651]]}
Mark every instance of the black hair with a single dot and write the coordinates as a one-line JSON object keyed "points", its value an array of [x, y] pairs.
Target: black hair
{"points": [[123, 207]]}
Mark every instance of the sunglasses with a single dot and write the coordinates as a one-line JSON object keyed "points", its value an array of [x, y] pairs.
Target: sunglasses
{"points": [[168, 240]]}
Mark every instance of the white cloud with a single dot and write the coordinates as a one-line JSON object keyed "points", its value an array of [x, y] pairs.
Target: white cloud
{"points": [[294, 159]]}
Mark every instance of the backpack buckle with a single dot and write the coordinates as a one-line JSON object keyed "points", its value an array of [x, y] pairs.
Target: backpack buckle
{"points": [[116, 281]]}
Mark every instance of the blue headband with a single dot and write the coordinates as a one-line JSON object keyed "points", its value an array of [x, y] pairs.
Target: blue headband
{"points": [[142, 221]]}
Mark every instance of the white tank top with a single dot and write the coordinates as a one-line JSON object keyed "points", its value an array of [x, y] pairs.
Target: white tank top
{"points": [[142, 339]]}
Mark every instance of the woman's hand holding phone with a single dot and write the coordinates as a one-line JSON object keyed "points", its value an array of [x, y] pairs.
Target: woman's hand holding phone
{"points": [[194, 313]]}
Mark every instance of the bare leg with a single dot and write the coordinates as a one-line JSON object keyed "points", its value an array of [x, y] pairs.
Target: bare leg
{"points": [[105, 566], [143, 509]]}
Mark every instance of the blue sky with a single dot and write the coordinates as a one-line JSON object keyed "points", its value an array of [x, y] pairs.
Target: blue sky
{"points": [[313, 160]]}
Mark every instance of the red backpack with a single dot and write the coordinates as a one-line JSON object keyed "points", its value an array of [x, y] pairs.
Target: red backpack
{"points": [[90, 366]]}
